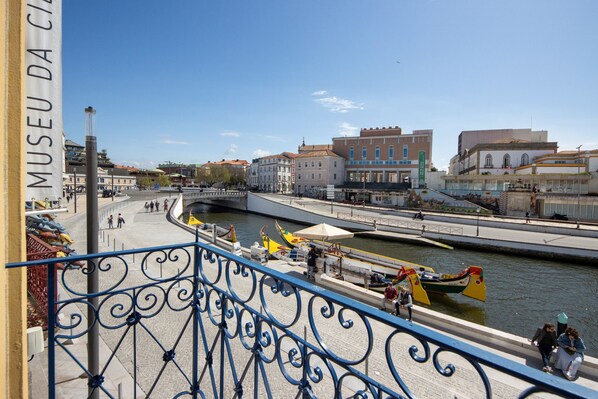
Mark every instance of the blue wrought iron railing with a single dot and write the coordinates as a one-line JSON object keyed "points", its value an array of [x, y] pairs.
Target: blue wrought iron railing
{"points": [[191, 320]]}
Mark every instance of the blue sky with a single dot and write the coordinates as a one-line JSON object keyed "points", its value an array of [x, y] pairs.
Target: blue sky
{"points": [[197, 81]]}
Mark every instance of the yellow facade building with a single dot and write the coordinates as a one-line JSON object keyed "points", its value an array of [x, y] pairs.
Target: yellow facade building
{"points": [[13, 283]]}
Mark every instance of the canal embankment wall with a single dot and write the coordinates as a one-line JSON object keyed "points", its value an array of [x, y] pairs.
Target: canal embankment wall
{"points": [[482, 335]]}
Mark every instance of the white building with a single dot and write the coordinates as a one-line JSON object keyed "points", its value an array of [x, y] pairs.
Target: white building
{"points": [[317, 169], [272, 173]]}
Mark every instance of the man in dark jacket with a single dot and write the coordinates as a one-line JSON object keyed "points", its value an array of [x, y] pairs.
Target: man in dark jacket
{"points": [[545, 339], [311, 262]]}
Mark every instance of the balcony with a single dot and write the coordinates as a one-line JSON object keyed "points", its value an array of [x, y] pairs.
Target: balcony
{"points": [[190, 320]]}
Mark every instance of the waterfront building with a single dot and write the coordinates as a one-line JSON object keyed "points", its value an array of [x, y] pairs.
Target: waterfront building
{"points": [[273, 173], [179, 173], [74, 155], [232, 172], [384, 155], [317, 169]]}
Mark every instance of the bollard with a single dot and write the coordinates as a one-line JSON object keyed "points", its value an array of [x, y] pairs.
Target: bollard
{"points": [[133, 256], [561, 324], [367, 365], [178, 283], [114, 244], [120, 390], [123, 246]]}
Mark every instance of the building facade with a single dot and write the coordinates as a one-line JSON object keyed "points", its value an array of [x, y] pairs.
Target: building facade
{"points": [[272, 174], [317, 169], [385, 155]]}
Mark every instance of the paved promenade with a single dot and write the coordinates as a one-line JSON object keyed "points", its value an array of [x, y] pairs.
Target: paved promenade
{"points": [[143, 229]]}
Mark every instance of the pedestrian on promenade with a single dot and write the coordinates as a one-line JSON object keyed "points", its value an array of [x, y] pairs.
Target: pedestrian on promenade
{"points": [[545, 340], [311, 262], [120, 222], [527, 217], [151, 206], [68, 198], [146, 206], [390, 295], [165, 205], [110, 222], [405, 301], [157, 205], [570, 354]]}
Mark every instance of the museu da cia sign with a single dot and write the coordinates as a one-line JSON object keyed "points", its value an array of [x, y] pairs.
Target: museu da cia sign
{"points": [[44, 152]]}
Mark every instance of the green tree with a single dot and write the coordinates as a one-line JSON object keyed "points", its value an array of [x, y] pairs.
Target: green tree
{"points": [[163, 181]]}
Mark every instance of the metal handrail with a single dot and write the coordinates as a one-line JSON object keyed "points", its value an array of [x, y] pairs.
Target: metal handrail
{"points": [[235, 323]]}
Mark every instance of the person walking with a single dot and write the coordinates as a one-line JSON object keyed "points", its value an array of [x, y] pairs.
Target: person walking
{"points": [[146, 206], [120, 221], [165, 205], [390, 295], [151, 205], [405, 301], [110, 222], [527, 217], [545, 340]]}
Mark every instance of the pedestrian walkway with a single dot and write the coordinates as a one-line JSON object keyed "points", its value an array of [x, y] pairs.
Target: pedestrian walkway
{"points": [[143, 229]]}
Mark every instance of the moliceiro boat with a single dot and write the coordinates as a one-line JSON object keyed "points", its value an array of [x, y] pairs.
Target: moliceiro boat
{"points": [[294, 256], [376, 271], [226, 234]]}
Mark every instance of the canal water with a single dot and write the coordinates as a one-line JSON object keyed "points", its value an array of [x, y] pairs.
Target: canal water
{"points": [[521, 293]]}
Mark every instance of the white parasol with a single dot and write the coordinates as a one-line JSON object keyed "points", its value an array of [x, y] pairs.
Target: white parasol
{"points": [[323, 232]]}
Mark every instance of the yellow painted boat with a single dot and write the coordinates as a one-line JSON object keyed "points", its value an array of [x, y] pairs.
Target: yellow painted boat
{"points": [[288, 237]]}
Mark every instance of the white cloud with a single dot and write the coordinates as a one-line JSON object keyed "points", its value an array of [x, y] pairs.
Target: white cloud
{"points": [[346, 129], [175, 142], [231, 150], [260, 153], [319, 93], [340, 105], [230, 133]]}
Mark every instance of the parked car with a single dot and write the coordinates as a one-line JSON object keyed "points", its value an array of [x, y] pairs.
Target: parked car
{"points": [[107, 193], [558, 216]]}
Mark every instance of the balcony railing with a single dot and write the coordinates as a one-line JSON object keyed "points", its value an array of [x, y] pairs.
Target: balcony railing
{"points": [[190, 320]]}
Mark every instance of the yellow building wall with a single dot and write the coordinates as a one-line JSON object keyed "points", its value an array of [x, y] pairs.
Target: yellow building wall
{"points": [[13, 293]]}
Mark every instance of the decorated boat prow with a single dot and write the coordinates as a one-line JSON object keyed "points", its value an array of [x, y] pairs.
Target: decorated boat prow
{"points": [[476, 288]]}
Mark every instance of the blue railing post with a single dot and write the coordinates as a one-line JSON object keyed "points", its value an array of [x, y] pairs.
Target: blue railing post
{"points": [[195, 371], [51, 267]]}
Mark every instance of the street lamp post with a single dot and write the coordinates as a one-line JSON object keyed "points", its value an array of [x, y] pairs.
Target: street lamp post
{"points": [[75, 188], [112, 184], [93, 341], [579, 181], [477, 231]]}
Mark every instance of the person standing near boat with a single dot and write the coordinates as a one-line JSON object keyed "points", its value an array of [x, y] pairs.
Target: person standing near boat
{"points": [[405, 300], [545, 340], [311, 262], [570, 354], [390, 295]]}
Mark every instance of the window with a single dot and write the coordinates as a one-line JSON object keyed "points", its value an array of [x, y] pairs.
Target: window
{"points": [[313, 164], [405, 151], [377, 153], [299, 177], [335, 176], [319, 164], [364, 152], [488, 163], [524, 159], [319, 176], [506, 161], [312, 176], [391, 152], [351, 153], [335, 163]]}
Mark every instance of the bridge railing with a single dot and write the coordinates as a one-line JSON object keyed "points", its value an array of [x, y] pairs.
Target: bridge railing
{"points": [[190, 320]]}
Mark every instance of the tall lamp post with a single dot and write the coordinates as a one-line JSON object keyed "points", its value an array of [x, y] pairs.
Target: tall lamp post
{"points": [[112, 184], [579, 181], [93, 340], [75, 188], [477, 231]]}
